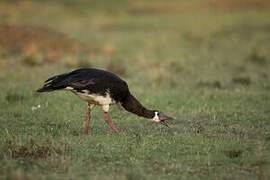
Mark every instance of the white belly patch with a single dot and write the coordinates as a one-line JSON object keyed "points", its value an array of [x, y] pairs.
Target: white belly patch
{"points": [[94, 98]]}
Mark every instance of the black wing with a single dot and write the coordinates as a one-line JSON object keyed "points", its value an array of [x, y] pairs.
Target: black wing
{"points": [[94, 80]]}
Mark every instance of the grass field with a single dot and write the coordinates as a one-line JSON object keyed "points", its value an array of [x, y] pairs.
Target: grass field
{"points": [[205, 62]]}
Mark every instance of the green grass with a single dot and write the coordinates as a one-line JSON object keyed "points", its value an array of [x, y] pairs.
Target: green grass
{"points": [[209, 67]]}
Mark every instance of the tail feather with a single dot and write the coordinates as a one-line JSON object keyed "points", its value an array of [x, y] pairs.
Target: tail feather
{"points": [[52, 78], [53, 83], [45, 89]]}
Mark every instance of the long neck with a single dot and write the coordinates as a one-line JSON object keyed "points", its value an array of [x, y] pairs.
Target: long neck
{"points": [[131, 104]]}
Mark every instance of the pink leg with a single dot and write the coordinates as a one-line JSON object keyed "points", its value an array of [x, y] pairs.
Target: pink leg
{"points": [[88, 116], [108, 121]]}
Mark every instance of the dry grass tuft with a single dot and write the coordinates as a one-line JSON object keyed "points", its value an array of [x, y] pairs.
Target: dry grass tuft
{"points": [[243, 80], [257, 58], [233, 153], [215, 84], [33, 59], [31, 149]]}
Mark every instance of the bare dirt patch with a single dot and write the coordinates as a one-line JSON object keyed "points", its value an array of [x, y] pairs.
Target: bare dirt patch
{"points": [[37, 44]]}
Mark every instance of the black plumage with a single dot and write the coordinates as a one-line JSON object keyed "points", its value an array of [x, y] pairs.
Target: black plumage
{"points": [[99, 87], [94, 80]]}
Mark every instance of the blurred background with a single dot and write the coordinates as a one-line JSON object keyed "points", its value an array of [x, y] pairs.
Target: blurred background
{"points": [[205, 62], [166, 38]]}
